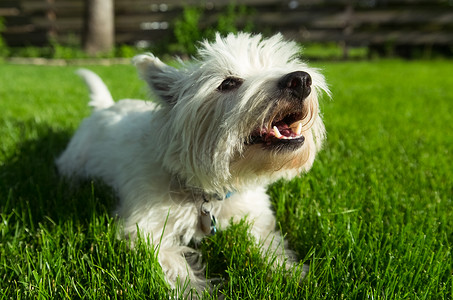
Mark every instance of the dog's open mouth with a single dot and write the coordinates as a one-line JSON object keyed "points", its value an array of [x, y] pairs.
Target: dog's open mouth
{"points": [[282, 130]]}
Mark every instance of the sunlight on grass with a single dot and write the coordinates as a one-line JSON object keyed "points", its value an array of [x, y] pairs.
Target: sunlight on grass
{"points": [[373, 218]]}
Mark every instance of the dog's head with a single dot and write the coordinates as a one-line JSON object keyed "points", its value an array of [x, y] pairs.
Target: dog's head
{"points": [[244, 112]]}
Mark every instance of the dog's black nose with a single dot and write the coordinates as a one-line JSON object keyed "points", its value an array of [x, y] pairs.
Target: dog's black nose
{"points": [[297, 83]]}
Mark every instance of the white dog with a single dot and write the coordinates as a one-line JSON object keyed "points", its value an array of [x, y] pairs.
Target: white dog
{"points": [[224, 126]]}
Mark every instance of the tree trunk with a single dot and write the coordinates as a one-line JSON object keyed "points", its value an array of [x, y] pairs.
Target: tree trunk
{"points": [[99, 32]]}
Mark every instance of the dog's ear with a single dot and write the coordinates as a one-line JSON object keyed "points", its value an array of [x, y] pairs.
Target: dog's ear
{"points": [[159, 76]]}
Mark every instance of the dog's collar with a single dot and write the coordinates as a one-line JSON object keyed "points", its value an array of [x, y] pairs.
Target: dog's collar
{"points": [[217, 196], [180, 184], [208, 222]]}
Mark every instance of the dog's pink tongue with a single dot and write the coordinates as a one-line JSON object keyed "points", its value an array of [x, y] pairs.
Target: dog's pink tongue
{"points": [[283, 128]]}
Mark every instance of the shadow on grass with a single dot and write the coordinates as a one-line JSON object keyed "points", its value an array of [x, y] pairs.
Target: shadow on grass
{"points": [[45, 218], [31, 186]]}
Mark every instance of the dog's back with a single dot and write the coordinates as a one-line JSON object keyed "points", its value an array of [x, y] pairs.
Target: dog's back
{"points": [[97, 148]]}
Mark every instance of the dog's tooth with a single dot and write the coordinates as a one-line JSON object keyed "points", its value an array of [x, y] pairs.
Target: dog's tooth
{"points": [[277, 133], [299, 128]]}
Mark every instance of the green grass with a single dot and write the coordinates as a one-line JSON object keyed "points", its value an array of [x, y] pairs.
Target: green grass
{"points": [[374, 217]]}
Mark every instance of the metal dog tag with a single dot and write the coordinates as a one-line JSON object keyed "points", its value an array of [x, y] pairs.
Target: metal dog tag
{"points": [[207, 223]]}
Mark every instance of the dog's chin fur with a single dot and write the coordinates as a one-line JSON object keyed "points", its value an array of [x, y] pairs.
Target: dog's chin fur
{"points": [[165, 159]]}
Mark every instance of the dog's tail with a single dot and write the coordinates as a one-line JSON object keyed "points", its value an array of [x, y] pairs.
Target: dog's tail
{"points": [[99, 93]]}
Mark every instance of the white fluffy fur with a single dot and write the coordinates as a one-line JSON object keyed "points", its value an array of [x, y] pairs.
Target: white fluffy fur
{"points": [[162, 158]]}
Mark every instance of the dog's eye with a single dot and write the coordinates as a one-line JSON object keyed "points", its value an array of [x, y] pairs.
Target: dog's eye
{"points": [[229, 84]]}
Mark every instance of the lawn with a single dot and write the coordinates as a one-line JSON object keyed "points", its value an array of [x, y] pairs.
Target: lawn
{"points": [[373, 218]]}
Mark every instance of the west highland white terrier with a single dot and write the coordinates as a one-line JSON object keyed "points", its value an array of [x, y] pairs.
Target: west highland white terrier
{"points": [[241, 115]]}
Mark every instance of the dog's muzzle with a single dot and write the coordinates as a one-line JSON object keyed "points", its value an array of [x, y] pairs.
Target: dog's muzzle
{"points": [[282, 129]]}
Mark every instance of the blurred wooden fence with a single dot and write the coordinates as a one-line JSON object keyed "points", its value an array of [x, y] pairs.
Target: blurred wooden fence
{"points": [[350, 23]]}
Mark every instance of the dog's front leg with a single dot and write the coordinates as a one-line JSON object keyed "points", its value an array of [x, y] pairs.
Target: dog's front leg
{"points": [[256, 208], [169, 226], [271, 241], [182, 268]]}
